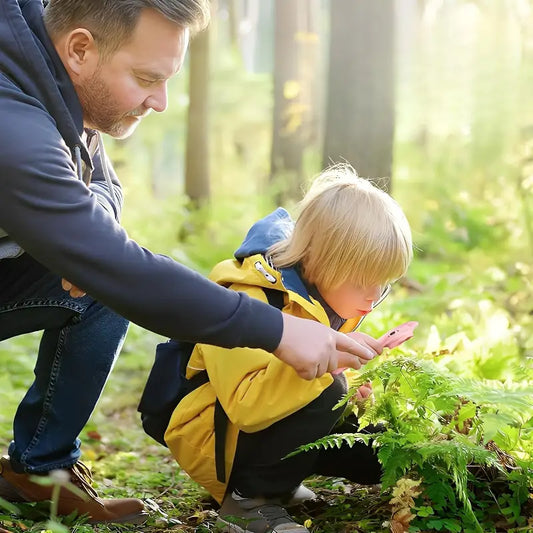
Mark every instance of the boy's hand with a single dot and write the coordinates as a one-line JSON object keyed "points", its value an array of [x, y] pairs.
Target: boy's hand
{"points": [[364, 392], [313, 349]]}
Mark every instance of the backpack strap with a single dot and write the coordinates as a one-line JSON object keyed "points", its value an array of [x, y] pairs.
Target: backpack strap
{"points": [[221, 427], [275, 299]]}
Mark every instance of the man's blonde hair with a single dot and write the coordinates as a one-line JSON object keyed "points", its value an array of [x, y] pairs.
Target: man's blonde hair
{"points": [[348, 230]]}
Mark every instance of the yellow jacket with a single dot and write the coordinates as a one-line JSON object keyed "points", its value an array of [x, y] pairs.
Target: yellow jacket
{"points": [[254, 387]]}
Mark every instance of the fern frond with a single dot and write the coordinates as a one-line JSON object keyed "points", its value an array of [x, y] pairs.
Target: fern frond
{"points": [[513, 399], [335, 440], [454, 453]]}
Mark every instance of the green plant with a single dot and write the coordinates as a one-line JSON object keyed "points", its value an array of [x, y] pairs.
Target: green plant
{"points": [[464, 440]]}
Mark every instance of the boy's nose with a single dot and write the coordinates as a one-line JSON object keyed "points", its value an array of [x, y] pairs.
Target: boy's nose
{"points": [[373, 294]]}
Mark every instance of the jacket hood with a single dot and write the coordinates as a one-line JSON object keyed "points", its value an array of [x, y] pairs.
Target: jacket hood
{"points": [[250, 269], [264, 233], [269, 230], [28, 58]]}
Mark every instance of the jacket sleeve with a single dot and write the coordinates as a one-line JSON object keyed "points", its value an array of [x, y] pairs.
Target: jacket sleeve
{"points": [[255, 388], [58, 220]]}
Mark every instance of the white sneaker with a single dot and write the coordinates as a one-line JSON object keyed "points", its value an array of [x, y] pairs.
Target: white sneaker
{"points": [[299, 495], [255, 515]]}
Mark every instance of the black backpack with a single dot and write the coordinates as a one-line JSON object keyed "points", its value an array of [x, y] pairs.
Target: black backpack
{"points": [[167, 386]]}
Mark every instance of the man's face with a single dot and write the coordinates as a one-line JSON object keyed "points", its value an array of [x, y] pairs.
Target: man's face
{"points": [[127, 85]]}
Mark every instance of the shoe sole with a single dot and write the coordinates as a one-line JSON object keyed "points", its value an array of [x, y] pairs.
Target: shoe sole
{"points": [[137, 518], [9, 493], [229, 527]]}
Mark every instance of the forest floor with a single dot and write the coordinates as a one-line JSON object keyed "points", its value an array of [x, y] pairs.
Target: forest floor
{"points": [[127, 463]]}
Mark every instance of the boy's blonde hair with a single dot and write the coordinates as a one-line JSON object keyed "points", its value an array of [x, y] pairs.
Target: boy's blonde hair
{"points": [[348, 230]]}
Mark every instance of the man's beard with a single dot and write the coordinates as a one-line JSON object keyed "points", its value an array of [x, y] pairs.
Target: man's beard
{"points": [[100, 110]]}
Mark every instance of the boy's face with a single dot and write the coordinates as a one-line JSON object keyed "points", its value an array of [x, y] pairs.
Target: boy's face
{"points": [[350, 301]]}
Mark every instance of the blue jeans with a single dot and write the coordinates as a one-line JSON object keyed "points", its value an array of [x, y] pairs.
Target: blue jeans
{"points": [[80, 342]]}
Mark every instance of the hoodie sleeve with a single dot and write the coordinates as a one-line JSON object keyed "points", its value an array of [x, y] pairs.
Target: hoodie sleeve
{"points": [[59, 221]]}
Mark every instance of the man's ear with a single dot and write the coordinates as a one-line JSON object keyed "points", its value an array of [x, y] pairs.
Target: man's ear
{"points": [[79, 53]]}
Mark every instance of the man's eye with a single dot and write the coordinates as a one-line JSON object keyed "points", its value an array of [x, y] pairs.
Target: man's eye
{"points": [[145, 82]]}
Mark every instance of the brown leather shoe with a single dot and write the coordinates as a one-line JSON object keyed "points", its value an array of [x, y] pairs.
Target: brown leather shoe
{"points": [[18, 487]]}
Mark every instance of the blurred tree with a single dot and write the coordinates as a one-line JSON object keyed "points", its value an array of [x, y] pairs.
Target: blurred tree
{"points": [[256, 20], [197, 181], [234, 15], [360, 101], [295, 89]]}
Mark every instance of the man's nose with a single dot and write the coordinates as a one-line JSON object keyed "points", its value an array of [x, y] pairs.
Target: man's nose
{"points": [[158, 100]]}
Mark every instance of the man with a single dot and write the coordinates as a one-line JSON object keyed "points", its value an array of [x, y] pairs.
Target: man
{"points": [[67, 73]]}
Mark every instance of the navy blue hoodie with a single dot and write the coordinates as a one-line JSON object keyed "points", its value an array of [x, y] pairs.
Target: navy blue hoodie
{"points": [[70, 227]]}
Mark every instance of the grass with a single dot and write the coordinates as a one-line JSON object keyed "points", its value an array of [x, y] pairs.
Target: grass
{"points": [[127, 463], [480, 290], [484, 296]]}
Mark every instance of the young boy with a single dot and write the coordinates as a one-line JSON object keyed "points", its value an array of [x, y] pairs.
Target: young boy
{"points": [[333, 265]]}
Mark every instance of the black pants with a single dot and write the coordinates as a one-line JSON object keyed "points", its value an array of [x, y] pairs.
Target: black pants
{"points": [[260, 470]]}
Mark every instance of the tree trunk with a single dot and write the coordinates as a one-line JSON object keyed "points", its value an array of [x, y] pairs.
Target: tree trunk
{"points": [[295, 66], [197, 152], [234, 17], [360, 101]]}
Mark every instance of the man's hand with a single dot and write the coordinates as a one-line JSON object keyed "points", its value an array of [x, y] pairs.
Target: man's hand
{"points": [[366, 340], [74, 291], [313, 349]]}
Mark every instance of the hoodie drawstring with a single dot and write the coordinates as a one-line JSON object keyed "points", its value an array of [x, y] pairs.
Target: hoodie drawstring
{"points": [[107, 177], [108, 180], [77, 157]]}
